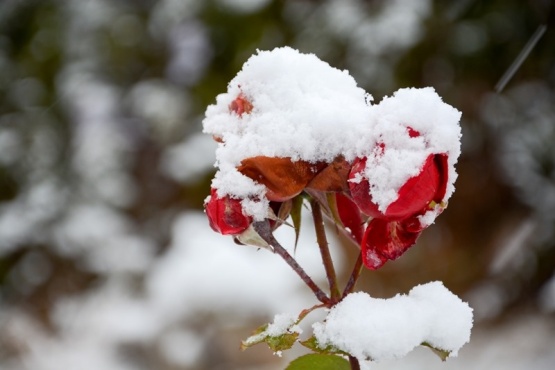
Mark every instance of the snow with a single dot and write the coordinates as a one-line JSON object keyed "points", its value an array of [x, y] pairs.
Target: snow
{"points": [[380, 329], [307, 110]]}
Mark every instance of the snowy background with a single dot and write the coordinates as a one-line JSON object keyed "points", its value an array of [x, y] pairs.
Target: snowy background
{"points": [[106, 260]]}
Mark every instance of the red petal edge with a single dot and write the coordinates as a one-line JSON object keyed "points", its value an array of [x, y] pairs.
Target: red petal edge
{"points": [[349, 214], [387, 240]]}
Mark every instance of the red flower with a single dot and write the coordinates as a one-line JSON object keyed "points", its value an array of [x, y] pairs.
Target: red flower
{"points": [[413, 197], [225, 215], [393, 231]]}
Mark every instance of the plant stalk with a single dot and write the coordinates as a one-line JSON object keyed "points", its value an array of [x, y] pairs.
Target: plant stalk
{"points": [[354, 363], [324, 250], [263, 229], [357, 269]]}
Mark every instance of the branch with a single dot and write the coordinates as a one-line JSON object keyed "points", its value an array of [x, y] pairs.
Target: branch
{"points": [[324, 249], [357, 269], [354, 363], [263, 229]]}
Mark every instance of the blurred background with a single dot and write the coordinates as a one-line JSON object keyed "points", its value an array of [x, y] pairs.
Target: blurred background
{"points": [[106, 259]]}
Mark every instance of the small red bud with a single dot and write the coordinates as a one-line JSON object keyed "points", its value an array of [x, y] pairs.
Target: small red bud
{"points": [[225, 215]]}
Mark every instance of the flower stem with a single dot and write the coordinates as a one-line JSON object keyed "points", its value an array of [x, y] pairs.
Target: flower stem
{"points": [[324, 249], [357, 269], [263, 229], [354, 363]]}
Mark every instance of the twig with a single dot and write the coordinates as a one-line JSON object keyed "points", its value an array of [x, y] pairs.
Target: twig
{"points": [[357, 269], [324, 249], [265, 232]]}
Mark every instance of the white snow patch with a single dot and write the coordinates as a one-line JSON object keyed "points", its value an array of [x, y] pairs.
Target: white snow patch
{"points": [[380, 329]]}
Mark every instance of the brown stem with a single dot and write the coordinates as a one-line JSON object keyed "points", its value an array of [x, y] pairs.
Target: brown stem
{"points": [[263, 229], [324, 249], [357, 269], [354, 363]]}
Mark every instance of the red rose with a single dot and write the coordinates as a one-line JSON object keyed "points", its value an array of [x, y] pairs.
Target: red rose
{"points": [[225, 215], [391, 232]]}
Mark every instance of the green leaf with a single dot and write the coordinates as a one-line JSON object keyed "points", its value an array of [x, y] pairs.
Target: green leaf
{"points": [[276, 343], [295, 212], [312, 343], [441, 353], [282, 342], [319, 362]]}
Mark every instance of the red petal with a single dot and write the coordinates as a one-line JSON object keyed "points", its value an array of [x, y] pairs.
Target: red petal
{"points": [[443, 170], [414, 196], [386, 240], [360, 191], [413, 132], [417, 192], [349, 214], [371, 257]]}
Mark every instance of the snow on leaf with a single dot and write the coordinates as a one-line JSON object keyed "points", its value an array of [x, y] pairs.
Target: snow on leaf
{"points": [[279, 335]]}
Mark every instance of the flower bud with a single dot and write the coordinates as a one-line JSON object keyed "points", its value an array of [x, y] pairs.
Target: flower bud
{"points": [[225, 215]]}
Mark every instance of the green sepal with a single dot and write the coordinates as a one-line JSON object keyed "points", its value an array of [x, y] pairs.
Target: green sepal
{"points": [[251, 237], [296, 208], [334, 211], [316, 361], [441, 353]]}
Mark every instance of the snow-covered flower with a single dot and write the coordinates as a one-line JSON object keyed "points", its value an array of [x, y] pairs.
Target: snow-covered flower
{"points": [[394, 230], [290, 122]]}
